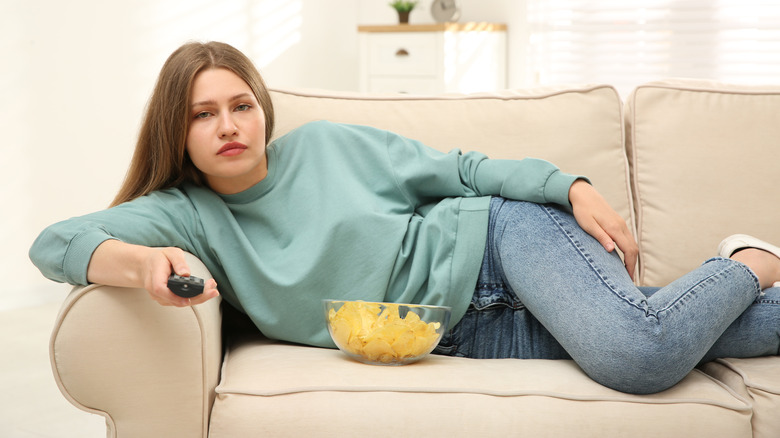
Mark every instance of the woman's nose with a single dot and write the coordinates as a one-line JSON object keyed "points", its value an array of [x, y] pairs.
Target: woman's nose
{"points": [[227, 127]]}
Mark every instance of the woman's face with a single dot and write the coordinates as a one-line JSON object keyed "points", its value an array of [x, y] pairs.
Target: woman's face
{"points": [[226, 137]]}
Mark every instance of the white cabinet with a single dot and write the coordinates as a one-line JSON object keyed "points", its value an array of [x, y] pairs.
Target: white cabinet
{"points": [[433, 59]]}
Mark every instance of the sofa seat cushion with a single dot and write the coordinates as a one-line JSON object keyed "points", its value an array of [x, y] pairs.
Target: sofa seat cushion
{"points": [[757, 380], [288, 390]]}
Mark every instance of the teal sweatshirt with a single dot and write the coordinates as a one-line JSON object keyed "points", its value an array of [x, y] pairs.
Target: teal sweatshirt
{"points": [[345, 212]]}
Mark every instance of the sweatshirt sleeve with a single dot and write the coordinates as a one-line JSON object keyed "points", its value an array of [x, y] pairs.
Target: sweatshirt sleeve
{"points": [[530, 179], [424, 172], [63, 250]]}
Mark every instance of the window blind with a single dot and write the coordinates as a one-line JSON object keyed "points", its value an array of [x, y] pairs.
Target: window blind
{"points": [[626, 43]]}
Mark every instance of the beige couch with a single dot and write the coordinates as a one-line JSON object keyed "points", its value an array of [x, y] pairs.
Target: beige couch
{"points": [[685, 162]]}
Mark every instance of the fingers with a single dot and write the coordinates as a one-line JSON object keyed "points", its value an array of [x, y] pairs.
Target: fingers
{"points": [[168, 298], [618, 232], [604, 239], [209, 291], [631, 266], [161, 265], [598, 219], [630, 251], [177, 261], [598, 228]]}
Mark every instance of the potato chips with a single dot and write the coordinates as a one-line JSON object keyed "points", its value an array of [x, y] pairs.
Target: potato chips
{"points": [[379, 334]]}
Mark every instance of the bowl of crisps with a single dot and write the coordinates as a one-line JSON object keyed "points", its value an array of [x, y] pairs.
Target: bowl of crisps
{"points": [[385, 333]]}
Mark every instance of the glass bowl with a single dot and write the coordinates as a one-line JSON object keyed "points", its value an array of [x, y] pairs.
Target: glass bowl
{"points": [[385, 333]]}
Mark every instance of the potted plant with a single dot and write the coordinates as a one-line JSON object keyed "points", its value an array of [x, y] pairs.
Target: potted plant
{"points": [[403, 7]]}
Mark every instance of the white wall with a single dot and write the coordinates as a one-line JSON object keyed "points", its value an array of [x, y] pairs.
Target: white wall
{"points": [[75, 76]]}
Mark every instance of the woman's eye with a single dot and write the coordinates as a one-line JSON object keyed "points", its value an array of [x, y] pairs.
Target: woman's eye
{"points": [[243, 107], [202, 115]]}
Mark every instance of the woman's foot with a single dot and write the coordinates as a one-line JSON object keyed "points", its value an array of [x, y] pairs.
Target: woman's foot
{"points": [[761, 257]]}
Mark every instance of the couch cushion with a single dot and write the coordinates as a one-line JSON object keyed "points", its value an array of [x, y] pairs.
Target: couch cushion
{"points": [[579, 129], [704, 164], [287, 390], [758, 380]]}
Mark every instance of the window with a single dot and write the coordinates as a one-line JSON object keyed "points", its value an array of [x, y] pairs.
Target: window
{"points": [[626, 43]]}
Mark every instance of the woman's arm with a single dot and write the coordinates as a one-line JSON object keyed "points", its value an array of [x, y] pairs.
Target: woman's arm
{"points": [[122, 264], [426, 175], [130, 245], [426, 172]]}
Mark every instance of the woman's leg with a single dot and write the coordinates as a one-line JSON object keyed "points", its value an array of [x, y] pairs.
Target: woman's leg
{"points": [[497, 325], [755, 333], [584, 297]]}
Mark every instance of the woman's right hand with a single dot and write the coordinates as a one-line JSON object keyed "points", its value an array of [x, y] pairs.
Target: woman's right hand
{"points": [[117, 263], [159, 265]]}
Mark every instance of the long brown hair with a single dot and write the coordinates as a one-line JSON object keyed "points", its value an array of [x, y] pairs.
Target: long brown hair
{"points": [[160, 159]]}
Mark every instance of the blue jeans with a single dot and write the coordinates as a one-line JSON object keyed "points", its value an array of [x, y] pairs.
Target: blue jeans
{"points": [[548, 290]]}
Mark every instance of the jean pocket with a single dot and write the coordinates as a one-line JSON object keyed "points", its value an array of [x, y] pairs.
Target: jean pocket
{"points": [[492, 295]]}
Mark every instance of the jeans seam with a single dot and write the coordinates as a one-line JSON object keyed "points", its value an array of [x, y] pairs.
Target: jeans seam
{"points": [[753, 276], [694, 289], [492, 248], [591, 263], [497, 238]]}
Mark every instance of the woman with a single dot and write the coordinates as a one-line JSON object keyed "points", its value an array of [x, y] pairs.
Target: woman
{"points": [[352, 212]]}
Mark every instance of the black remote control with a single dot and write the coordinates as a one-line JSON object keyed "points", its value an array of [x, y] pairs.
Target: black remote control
{"points": [[185, 287]]}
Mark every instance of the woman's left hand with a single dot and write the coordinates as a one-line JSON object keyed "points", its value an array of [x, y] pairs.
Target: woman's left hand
{"points": [[601, 221]]}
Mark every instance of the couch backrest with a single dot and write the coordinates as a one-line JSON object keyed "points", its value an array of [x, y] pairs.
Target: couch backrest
{"points": [[578, 129], [705, 162]]}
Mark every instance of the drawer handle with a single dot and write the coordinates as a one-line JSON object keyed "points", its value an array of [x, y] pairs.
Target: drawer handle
{"points": [[402, 52]]}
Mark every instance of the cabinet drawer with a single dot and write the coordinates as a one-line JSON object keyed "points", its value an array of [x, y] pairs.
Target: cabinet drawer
{"points": [[402, 54]]}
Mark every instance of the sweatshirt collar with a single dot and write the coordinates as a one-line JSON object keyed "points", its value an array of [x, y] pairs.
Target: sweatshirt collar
{"points": [[261, 188]]}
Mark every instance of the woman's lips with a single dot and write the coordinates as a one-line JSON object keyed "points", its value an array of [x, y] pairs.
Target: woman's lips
{"points": [[231, 149]]}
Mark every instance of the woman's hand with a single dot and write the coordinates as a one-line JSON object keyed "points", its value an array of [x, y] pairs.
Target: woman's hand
{"points": [[159, 265], [116, 263], [598, 219]]}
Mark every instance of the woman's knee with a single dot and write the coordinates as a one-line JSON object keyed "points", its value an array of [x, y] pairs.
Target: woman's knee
{"points": [[638, 369], [632, 382]]}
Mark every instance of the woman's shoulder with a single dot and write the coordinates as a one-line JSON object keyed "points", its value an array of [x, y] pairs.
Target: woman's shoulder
{"points": [[326, 137], [328, 128], [161, 195], [327, 145], [174, 200]]}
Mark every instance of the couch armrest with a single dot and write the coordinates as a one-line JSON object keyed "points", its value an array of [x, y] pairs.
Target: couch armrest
{"points": [[150, 370]]}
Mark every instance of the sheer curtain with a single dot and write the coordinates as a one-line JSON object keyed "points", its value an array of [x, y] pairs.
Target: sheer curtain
{"points": [[626, 43]]}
